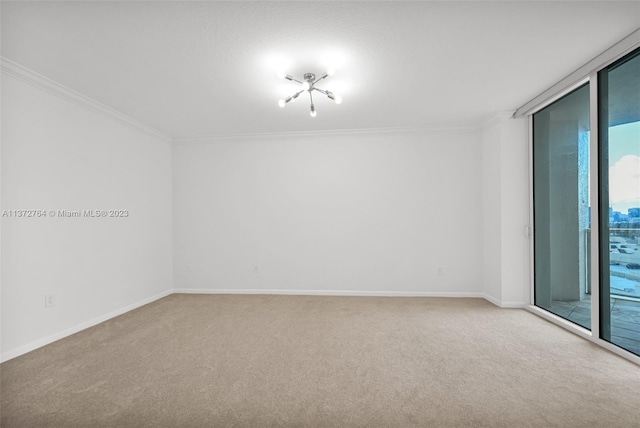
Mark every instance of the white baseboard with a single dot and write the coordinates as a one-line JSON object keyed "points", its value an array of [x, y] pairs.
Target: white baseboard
{"points": [[501, 304], [8, 355], [513, 305], [364, 293], [491, 299]]}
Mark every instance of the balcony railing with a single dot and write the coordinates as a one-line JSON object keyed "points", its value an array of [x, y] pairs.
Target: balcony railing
{"points": [[624, 256]]}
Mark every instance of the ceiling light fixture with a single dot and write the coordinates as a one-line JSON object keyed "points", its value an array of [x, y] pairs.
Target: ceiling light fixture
{"points": [[308, 85]]}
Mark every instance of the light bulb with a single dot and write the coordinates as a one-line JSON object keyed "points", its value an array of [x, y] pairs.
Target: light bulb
{"points": [[337, 99], [331, 71], [306, 85], [281, 103], [282, 74], [313, 113]]}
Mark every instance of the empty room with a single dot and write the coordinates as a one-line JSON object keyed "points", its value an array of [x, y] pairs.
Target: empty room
{"points": [[322, 214]]}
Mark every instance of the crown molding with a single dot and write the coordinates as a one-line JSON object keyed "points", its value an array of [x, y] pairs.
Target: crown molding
{"points": [[496, 118], [20, 72], [206, 139]]}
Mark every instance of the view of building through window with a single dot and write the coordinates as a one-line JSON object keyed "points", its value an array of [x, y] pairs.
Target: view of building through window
{"points": [[624, 209]]}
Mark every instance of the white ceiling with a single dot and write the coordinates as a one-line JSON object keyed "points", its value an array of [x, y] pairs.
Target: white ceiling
{"points": [[194, 69]]}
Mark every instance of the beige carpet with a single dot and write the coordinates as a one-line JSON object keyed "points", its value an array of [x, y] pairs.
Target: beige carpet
{"points": [[205, 360]]}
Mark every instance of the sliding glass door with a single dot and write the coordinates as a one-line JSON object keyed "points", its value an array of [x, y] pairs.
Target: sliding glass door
{"points": [[563, 203], [561, 207], [619, 152]]}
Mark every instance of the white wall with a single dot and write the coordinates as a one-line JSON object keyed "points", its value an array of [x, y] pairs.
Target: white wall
{"points": [[60, 155], [515, 212], [505, 209], [492, 213], [339, 214]]}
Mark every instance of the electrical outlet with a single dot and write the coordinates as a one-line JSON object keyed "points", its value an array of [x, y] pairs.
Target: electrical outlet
{"points": [[440, 271], [49, 300], [189, 268], [255, 269]]}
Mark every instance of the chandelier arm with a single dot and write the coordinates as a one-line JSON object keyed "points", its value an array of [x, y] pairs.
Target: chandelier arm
{"points": [[324, 76], [329, 94], [292, 97], [293, 78], [313, 109], [296, 95]]}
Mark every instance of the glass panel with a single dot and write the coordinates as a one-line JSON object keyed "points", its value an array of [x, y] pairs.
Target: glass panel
{"points": [[619, 117], [561, 207]]}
